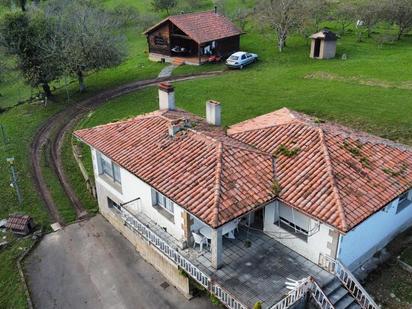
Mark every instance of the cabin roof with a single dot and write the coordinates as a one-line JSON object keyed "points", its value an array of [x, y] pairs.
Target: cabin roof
{"points": [[201, 27]]}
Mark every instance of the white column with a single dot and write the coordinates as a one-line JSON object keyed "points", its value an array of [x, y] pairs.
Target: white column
{"points": [[217, 248]]}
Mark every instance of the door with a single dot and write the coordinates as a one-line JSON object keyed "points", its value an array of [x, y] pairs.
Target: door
{"points": [[316, 51], [258, 219]]}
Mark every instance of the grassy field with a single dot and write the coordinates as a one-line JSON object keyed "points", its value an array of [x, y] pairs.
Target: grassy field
{"points": [[371, 90]]}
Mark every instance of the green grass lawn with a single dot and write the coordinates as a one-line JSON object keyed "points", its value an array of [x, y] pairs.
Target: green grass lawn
{"points": [[11, 290]]}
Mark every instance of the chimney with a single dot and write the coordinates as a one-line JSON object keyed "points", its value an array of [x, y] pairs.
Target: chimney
{"points": [[173, 129], [166, 96], [213, 112]]}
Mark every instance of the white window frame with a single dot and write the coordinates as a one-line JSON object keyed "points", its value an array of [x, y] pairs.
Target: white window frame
{"points": [[108, 167], [291, 227], [164, 202]]}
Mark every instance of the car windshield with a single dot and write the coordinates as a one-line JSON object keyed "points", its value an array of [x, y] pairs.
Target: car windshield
{"points": [[234, 58]]}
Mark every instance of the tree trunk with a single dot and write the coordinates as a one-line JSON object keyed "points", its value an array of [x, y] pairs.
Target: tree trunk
{"points": [[46, 89], [400, 32], [23, 5], [282, 41], [80, 78]]}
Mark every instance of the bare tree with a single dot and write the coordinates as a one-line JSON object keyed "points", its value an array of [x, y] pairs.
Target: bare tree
{"points": [[282, 16], [242, 16], [369, 12], [345, 14], [318, 11], [399, 12], [163, 5], [88, 37]]}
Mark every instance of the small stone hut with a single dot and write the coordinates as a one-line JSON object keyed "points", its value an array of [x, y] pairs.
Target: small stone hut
{"points": [[323, 45]]}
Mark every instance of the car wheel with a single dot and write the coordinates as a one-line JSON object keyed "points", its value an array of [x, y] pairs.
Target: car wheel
{"points": [[241, 66]]}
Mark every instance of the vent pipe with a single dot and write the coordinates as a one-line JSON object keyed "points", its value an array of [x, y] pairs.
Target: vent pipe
{"points": [[213, 116], [166, 96]]}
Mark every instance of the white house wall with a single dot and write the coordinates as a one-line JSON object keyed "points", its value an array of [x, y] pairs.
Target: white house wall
{"points": [[132, 188], [372, 235], [322, 239]]}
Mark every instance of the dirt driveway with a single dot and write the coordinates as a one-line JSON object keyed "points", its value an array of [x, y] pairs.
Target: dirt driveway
{"points": [[90, 265]]}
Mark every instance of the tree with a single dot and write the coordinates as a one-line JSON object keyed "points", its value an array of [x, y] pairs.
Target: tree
{"points": [[370, 13], [89, 37], [26, 36], [318, 11], [399, 12], [163, 5], [345, 14], [241, 17], [282, 16]]}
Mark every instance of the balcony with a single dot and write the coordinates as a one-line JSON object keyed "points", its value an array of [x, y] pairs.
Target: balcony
{"points": [[255, 266]]}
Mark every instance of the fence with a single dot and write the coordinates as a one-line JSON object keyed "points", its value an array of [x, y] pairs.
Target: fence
{"points": [[137, 226], [348, 280]]}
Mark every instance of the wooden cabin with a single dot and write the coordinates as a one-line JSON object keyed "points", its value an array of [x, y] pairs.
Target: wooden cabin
{"points": [[192, 38], [323, 45]]}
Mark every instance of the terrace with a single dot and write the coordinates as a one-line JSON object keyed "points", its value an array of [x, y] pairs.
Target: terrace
{"points": [[255, 267]]}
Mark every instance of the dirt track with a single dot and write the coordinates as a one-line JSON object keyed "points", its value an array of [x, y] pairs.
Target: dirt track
{"points": [[53, 130]]}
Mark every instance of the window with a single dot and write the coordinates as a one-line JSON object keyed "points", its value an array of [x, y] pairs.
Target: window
{"points": [[243, 57], [159, 40], [113, 205], [107, 167], [164, 202], [292, 228], [403, 202]]}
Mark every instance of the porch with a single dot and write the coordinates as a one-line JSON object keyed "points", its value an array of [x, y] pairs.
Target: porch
{"points": [[189, 60], [255, 267], [257, 272]]}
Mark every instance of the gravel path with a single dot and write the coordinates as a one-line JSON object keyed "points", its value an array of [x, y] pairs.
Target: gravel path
{"points": [[167, 71]]}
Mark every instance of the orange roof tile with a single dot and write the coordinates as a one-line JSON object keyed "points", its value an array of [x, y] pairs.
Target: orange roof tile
{"points": [[214, 177], [327, 171], [337, 175], [202, 27]]}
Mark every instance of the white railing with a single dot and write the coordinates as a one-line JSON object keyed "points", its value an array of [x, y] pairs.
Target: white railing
{"points": [[137, 226], [294, 295], [320, 297], [349, 281]]}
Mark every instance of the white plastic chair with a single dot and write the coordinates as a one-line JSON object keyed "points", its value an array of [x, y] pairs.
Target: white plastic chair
{"points": [[200, 240]]}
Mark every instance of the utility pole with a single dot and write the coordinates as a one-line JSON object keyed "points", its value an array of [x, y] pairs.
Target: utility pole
{"points": [[14, 183]]}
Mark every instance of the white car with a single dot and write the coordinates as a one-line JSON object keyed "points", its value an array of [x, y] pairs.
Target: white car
{"points": [[240, 59]]}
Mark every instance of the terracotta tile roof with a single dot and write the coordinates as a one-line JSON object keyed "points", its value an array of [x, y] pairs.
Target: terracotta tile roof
{"points": [[17, 222], [213, 176], [327, 171], [336, 175], [202, 27]]}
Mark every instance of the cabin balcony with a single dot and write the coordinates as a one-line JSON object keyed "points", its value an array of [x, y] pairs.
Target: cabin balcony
{"points": [[254, 267]]}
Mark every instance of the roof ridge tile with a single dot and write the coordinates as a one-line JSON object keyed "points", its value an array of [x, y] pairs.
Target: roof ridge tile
{"points": [[217, 187], [332, 178]]}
